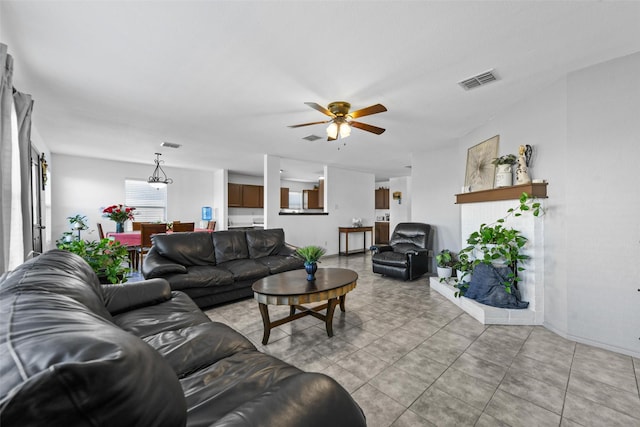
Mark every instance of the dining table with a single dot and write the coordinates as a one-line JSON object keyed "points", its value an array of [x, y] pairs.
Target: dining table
{"points": [[134, 238]]}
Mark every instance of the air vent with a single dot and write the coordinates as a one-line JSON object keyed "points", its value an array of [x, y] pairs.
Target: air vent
{"points": [[171, 145], [312, 137], [479, 80]]}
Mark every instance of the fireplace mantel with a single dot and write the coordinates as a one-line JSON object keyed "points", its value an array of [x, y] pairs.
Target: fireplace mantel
{"points": [[538, 190]]}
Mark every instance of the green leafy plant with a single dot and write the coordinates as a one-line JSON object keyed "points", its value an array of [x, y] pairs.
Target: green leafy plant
{"points": [[507, 159], [310, 254], [445, 259], [498, 242], [106, 257]]}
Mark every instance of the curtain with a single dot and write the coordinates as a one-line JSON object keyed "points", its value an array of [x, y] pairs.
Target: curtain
{"points": [[6, 101], [24, 107], [15, 168]]}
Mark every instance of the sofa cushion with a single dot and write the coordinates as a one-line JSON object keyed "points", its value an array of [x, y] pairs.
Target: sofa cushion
{"points": [[230, 245], [263, 243], [246, 269], [279, 264], [195, 347], [186, 248]]}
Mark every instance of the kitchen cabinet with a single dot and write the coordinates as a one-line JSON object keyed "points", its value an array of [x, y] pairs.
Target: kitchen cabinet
{"points": [[252, 196], [382, 198], [235, 195], [284, 198], [310, 199], [245, 196], [382, 233]]}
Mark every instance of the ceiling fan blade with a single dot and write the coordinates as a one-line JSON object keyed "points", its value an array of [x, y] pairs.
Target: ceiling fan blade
{"points": [[320, 108], [374, 109], [368, 128], [309, 124]]}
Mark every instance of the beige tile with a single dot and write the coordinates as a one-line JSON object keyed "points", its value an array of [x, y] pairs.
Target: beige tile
{"points": [[466, 326], [420, 366], [518, 412], [589, 388], [349, 381], [604, 373], [362, 364], [411, 419], [401, 386], [557, 376], [468, 389], [442, 409], [529, 388], [589, 413], [488, 372], [444, 347], [380, 409]]}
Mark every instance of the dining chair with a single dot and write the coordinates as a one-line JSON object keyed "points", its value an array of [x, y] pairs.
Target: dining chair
{"points": [[100, 231], [211, 225], [146, 231], [135, 225], [183, 226]]}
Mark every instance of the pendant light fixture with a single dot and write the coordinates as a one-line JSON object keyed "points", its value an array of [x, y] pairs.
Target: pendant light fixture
{"points": [[159, 178]]}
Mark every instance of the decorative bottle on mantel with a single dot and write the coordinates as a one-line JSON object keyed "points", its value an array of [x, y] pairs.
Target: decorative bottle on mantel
{"points": [[522, 171]]}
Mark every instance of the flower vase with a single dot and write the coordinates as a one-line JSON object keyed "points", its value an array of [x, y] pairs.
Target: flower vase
{"points": [[119, 227], [311, 268]]}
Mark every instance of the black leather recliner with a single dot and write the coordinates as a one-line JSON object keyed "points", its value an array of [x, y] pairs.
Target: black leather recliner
{"points": [[408, 254]]}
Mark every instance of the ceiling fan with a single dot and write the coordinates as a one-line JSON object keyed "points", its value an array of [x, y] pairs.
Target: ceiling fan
{"points": [[342, 120]]}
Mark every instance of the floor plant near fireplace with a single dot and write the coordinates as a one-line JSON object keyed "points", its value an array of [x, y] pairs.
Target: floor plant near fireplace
{"points": [[497, 244]]}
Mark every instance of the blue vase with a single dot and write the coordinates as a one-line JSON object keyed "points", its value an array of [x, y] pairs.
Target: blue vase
{"points": [[119, 227], [311, 268]]}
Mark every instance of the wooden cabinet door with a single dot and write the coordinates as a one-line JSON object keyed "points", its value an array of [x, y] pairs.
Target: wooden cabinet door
{"points": [[382, 232], [252, 196], [235, 195], [382, 198], [310, 199], [284, 198]]}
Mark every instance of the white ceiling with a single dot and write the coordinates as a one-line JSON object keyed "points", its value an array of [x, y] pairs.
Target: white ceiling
{"points": [[114, 79]]}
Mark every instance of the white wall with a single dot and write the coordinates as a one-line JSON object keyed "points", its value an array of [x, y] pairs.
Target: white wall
{"points": [[349, 195], [399, 212], [586, 138], [81, 185]]}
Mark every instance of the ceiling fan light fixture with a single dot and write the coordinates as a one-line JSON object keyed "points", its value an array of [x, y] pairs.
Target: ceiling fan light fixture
{"points": [[332, 130], [159, 178], [345, 130]]}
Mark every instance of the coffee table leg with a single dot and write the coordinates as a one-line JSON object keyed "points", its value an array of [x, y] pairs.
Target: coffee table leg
{"points": [[292, 310], [264, 311], [342, 300], [331, 306]]}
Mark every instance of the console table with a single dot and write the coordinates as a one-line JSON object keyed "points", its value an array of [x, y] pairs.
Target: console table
{"points": [[347, 230]]}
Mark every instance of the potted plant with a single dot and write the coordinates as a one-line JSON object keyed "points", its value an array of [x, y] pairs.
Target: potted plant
{"points": [[311, 256], [504, 170], [463, 267], [78, 223], [108, 258], [496, 244], [444, 262]]}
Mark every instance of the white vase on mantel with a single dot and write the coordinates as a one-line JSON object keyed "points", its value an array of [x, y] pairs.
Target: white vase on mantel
{"points": [[504, 175]]}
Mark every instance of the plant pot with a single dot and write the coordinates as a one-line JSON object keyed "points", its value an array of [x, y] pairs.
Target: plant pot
{"points": [[311, 268], [444, 272], [462, 277], [504, 175]]}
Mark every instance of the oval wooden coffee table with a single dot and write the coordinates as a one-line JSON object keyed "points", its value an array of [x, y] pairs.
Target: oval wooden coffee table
{"points": [[292, 288]]}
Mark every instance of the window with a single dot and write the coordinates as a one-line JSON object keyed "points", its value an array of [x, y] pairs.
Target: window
{"points": [[150, 203]]}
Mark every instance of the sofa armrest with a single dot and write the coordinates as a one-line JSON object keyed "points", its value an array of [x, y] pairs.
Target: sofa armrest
{"points": [[121, 298], [155, 265], [376, 249]]}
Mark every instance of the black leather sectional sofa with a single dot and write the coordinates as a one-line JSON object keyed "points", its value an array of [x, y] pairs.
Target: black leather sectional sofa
{"points": [[214, 268], [77, 353]]}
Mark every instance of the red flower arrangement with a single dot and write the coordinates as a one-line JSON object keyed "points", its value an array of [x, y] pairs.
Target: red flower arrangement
{"points": [[118, 213]]}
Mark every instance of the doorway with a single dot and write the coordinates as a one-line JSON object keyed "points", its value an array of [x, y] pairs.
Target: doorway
{"points": [[38, 180]]}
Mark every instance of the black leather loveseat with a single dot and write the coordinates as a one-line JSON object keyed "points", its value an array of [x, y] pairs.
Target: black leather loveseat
{"points": [[75, 353], [218, 267]]}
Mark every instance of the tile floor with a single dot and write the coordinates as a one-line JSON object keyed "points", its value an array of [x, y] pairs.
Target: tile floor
{"points": [[411, 358]]}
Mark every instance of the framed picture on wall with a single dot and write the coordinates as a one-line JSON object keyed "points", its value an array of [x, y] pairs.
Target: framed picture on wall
{"points": [[480, 172]]}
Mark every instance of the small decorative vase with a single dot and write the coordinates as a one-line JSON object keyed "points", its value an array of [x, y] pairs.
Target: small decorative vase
{"points": [[311, 268], [504, 176], [119, 227]]}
